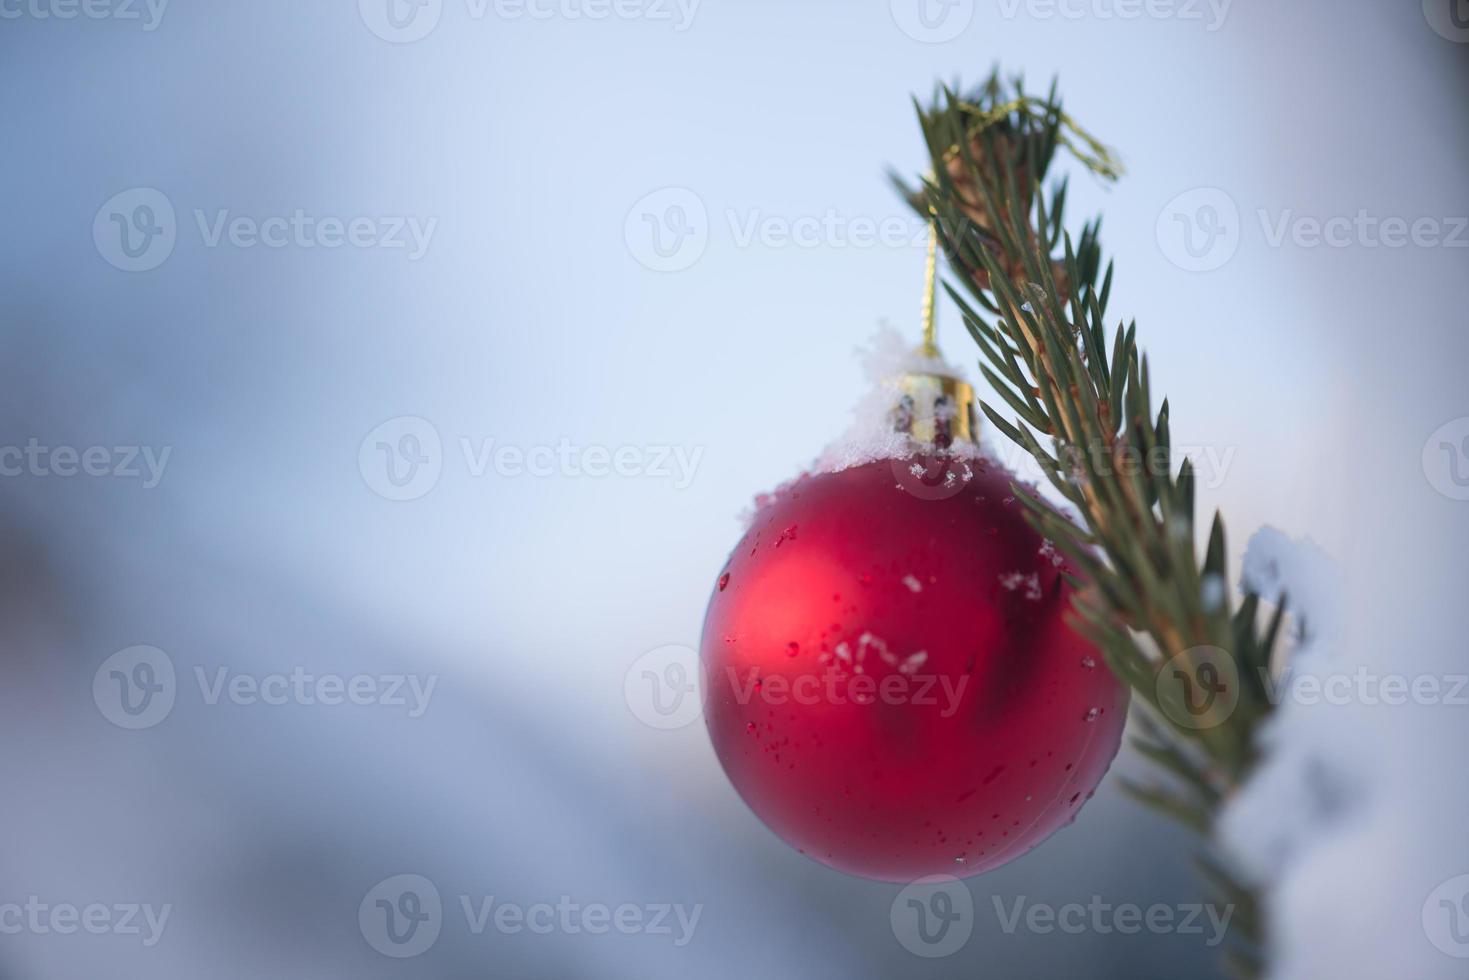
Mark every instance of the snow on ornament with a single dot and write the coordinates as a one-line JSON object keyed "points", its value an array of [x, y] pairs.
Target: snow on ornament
{"points": [[889, 681]]}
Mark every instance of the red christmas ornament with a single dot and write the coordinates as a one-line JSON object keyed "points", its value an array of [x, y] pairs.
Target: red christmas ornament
{"points": [[888, 680]]}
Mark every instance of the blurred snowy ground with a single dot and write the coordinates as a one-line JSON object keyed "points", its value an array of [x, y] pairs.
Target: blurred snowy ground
{"points": [[529, 321]]}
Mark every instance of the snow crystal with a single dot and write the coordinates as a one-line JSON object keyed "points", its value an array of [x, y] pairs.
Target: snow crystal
{"points": [[1032, 582], [867, 640], [912, 662]]}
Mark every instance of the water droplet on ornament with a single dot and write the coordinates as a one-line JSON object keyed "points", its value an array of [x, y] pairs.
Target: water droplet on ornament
{"points": [[750, 727], [792, 648], [1088, 662], [723, 581], [1091, 714]]}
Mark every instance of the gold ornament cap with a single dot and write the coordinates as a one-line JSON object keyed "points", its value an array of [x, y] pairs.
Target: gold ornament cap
{"points": [[935, 406]]}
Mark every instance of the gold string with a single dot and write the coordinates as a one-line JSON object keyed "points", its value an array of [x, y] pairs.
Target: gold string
{"points": [[930, 289], [1098, 157]]}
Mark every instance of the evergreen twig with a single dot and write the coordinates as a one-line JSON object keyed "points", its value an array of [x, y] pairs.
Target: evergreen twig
{"points": [[1160, 613]]}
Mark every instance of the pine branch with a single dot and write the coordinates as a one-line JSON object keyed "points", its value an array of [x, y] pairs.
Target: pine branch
{"points": [[1081, 405]]}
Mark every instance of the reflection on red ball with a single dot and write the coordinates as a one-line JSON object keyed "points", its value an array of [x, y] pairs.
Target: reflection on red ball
{"points": [[888, 679]]}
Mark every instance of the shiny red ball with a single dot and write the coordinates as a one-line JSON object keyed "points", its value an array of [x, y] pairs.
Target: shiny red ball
{"points": [[888, 680]]}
